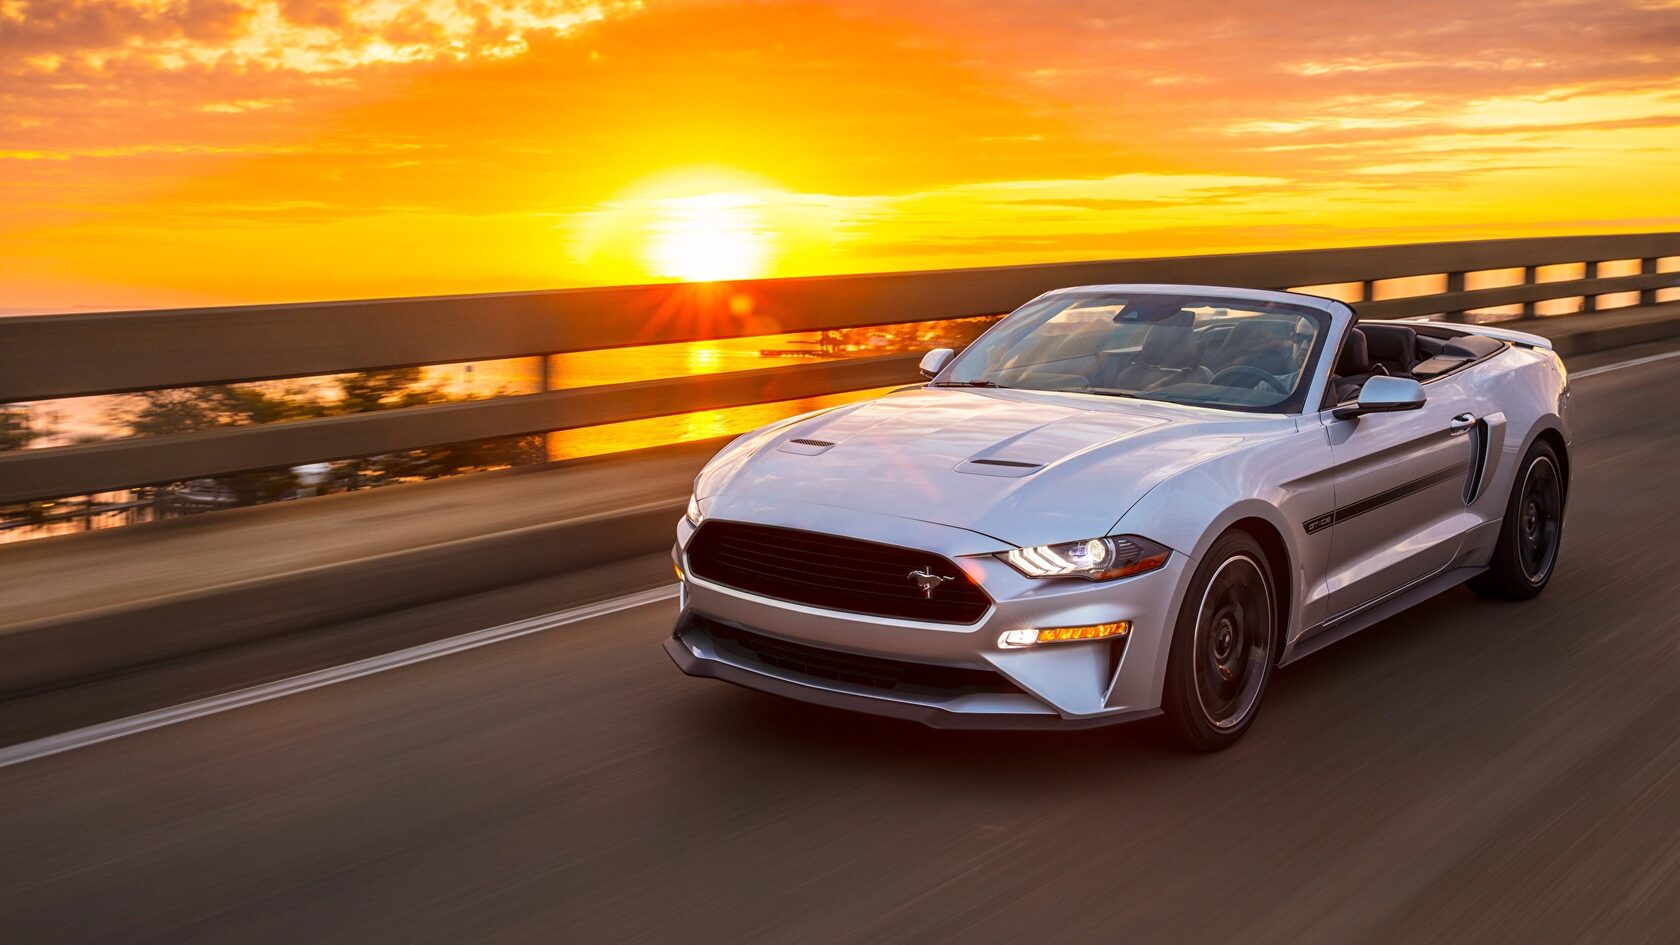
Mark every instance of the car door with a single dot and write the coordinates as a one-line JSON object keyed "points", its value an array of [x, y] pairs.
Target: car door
{"points": [[1400, 481]]}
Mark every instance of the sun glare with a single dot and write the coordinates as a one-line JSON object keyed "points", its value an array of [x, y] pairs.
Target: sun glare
{"points": [[711, 224], [708, 238]]}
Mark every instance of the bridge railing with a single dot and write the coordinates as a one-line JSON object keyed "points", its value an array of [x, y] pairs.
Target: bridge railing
{"points": [[47, 357]]}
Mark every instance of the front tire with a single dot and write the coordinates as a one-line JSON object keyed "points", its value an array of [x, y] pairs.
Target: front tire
{"points": [[1532, 531], [1222, 647]]}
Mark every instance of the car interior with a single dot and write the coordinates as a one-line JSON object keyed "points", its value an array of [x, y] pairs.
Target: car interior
{"points": [[1422, 352], [1252, 359], [1211, 354], [1255, 359]]}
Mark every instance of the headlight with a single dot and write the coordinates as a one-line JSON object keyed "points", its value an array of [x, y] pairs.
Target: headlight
{"points": [[693, 512], [1095, 559]]}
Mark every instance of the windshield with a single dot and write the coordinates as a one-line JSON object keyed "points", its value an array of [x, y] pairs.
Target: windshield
{"points": [[1239, 354]]}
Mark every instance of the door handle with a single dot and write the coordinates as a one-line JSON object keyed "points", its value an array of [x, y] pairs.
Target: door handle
{"points": [[1462, 422]]}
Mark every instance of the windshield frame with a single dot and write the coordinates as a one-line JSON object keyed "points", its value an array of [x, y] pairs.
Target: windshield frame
{"points": [[1326, 315]]}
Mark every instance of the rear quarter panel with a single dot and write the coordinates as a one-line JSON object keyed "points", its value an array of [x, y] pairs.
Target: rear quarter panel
{"points": [[1526, 390]]}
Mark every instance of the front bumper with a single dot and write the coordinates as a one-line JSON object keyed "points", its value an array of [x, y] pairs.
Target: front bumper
{"points": [[697, 653], [1071, 685]]}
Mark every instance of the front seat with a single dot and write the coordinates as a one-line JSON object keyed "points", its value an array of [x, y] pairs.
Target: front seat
{"points": [[1392, 346], [1258, 342], [1353, 366], [1168, 356]]}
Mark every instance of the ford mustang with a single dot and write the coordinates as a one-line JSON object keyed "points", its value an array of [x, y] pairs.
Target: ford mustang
{"points": [[1124, 501]]}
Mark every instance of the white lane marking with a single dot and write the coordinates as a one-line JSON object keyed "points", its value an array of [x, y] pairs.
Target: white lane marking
{"points": [[1623, 364], [133, 725]]}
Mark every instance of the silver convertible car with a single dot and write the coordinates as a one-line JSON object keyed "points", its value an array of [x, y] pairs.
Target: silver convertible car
{"points": [[1123, 501]]}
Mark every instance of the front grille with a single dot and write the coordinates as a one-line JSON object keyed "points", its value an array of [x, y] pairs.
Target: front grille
{"points": [[837, 573], [870, 671]]}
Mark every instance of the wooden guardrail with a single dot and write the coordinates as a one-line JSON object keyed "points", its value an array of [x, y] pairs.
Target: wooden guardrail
{"points": [[45, 357]]}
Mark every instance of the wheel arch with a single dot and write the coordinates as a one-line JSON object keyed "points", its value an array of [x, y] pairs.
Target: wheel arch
{"points": [[1196, 513], [1553, 437], [1280, 564]]}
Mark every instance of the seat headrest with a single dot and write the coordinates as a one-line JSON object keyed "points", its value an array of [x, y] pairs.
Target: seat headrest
{"points": [[1356, 355], [1258, 342], [1256, 331], [1392, 343], [1170, 344]]}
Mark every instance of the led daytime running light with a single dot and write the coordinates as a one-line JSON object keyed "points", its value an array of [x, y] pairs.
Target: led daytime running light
{"points": [[1095, 559]]}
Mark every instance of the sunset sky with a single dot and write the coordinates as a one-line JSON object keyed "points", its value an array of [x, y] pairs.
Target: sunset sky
{"points": [[187, 152]]}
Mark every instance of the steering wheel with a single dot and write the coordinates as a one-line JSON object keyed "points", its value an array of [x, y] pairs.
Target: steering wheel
{"points": [[1247, 375]]}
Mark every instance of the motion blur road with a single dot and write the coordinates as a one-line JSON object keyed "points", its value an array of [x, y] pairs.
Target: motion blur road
{"points": [[1470, 771]]}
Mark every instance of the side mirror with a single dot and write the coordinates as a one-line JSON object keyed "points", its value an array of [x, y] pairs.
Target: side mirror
{"points": [[1384, 395], [934, 361]]}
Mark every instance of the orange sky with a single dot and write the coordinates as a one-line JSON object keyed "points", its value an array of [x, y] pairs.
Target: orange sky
{"points": [[183, 152]]}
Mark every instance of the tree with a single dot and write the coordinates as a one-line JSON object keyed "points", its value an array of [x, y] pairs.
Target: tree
{"points": [[195, 409], [366, 391], [15, 431]]}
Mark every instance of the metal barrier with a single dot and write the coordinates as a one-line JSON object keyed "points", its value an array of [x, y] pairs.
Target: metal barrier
{"points": [[45, 357]]}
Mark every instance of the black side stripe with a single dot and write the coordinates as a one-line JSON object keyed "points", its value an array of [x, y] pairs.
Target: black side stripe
{"points": [[1385, 497]]}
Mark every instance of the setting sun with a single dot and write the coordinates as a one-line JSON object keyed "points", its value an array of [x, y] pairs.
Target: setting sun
{"points": [[710, 224], [708, 238]]}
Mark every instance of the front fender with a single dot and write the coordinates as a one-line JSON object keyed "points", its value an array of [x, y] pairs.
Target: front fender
{"points": [[1283, 485]]}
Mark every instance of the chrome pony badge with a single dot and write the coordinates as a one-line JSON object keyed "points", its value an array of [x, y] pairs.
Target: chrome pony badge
{"points": [[928, 581]]}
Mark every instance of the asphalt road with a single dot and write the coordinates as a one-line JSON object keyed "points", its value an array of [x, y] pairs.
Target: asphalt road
{"points": [[1470, 771]]}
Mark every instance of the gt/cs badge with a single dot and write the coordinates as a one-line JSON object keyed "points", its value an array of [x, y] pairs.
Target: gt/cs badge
{"points": [[928, 581]]}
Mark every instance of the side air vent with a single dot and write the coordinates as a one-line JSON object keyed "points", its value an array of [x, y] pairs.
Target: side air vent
{"points": [[1014, 463], [1487, 437], [804, 442], [1478, 461]]}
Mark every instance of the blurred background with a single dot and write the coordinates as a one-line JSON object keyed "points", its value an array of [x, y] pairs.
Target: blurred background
{"points": [[165, 155]]}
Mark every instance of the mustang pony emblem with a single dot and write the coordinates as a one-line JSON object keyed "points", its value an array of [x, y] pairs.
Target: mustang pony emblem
{"points": [[928, 581]]}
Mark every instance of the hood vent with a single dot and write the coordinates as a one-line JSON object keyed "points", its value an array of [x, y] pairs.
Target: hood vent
{"points": [[805, 446], [1002, 468]]}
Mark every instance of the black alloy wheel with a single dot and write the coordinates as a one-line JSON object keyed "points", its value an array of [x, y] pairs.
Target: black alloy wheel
{"points": [[1532, 532], [1224, 646]]}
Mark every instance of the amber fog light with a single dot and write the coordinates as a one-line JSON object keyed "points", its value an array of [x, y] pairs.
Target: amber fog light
{"points": [[1014, 639]]}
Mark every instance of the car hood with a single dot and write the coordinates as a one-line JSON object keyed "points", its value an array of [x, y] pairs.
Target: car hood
{"points": [[1024, 467]]}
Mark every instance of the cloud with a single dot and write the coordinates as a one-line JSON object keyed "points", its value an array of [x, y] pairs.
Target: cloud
{"points": [[305, 35], [327, 13], [65, 27]]}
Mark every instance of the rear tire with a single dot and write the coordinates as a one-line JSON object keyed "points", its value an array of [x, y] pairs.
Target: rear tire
{"points": [[1531, 533], [1222, 647]]}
